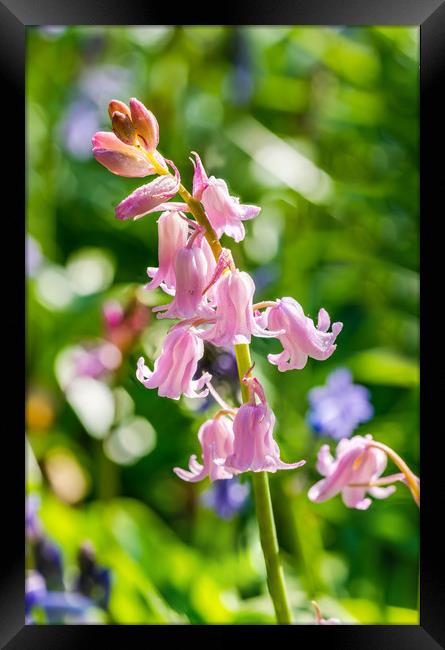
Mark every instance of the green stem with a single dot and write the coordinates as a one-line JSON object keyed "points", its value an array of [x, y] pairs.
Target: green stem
{"points": [[264, 512], [263, 502]]}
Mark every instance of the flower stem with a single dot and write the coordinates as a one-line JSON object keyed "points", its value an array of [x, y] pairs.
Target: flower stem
{"points": [[411, 479], [264, 511], [263, 502]]}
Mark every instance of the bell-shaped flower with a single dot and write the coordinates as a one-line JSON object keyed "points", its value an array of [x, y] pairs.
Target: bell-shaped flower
{"points": [[172, 236], [148, 197], [216, 438], [120, 158], [254, 447], [176, 366], [235, 322], [299, 338], [354, 472], [191, 270], [224, 212]]}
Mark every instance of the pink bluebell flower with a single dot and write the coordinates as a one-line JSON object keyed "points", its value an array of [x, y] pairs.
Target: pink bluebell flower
{"points": [[254, 447], [192, 274], [176, 366], [172, 236], [235, 322], [150, 197], [354, 472], [224, 212], [299, 338], [216, 438]]}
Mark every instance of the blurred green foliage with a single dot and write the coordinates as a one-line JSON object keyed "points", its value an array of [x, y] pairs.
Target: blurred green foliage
{"points": [[319, 126]]}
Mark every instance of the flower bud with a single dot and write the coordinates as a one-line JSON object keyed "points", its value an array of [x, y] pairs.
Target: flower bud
{"points": [[116, 105], [123, 128], [145, 124]]}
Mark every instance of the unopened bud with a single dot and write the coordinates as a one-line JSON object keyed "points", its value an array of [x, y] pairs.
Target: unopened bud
{"points": [[123, 128], [145, 124], [120, 107]]}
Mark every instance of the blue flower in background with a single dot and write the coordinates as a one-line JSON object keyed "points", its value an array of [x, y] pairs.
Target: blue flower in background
{"points": [[227, 497], [45, 585], [339, 407]]}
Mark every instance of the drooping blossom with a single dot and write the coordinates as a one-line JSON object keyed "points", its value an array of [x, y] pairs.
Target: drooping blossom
{"points": [[254, 447], [191, 270], [224, 212], [354, 472], [216, 438], [235, 322], [340, 406], [172, 236], [175, 367], [227, 497], [299, 338], [147, 198]]}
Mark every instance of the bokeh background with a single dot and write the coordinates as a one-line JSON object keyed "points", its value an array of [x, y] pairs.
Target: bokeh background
{"points": [[319, 126]]}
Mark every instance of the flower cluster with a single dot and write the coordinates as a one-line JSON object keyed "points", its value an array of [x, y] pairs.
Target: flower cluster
{"points": [[213, 299], [214, 304]]}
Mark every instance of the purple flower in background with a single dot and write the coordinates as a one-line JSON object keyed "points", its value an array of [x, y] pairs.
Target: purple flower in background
{"points": [[227, 497], [52, 32], [48, 562], [58, 606], [81, 121], [84, 113], [340, 406], [96, 360], [93, 581], [33, 527], [33, 256], [35, 592]]}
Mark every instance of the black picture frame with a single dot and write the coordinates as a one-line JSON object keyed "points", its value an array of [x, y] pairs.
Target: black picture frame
{"points": [[15, 16]]}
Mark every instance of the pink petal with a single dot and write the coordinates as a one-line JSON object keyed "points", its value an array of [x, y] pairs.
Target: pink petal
{"points": [[119, 158], [148, 197], [200, 179]]}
